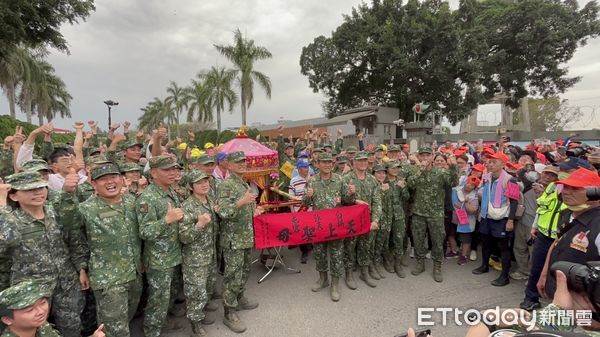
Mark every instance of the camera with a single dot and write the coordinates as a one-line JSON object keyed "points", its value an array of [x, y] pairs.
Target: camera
{"points": [[582, 278], [593, 193]]}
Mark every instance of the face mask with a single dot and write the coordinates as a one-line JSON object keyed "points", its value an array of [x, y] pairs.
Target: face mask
{"points": [[578, 208], [532, 176]]}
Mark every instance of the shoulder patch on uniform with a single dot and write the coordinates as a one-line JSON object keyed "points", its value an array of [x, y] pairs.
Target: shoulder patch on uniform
{"points": [[143, 207]]}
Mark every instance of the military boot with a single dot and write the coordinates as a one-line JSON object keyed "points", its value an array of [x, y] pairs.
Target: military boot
{"points": [[364, 275], [245, 304], [379, 268], [399, 269], [334, 291], [211, 306], [373, 272], [321, 283], [209, 318], [197, 330], [437, 271], [419, 267], [404, 259], [388, 264], [232, 321], [350, 282]]}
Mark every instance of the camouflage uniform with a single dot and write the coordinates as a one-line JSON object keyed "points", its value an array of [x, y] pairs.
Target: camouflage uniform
{"points": [[198, 250], [328, 193], [162, 250], [428, 187], [237, 235], [114, 264], [360, 249], [23, 295], [396, 217], [6, 162], [40, 251]]}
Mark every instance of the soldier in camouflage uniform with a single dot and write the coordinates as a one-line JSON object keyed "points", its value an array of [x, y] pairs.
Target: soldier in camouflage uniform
{"points": [[197, 236], [40, 250], [236, 206], [134, 181], [86, 190], [110, 223], [323, 191], [158, 218], [359, 249], [398, 196], [428, 185], [382, 235]]}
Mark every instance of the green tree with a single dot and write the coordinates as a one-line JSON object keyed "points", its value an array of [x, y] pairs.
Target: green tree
{"points": [[14, 69], [219, 93], [176, 99], [51, 96], [37, 22], [398, 54], [156, 112], [196, 98], [552, 114], [243, 54]]}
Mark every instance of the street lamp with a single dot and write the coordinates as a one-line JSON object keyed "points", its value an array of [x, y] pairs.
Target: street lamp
{"points": [[110, 103]]}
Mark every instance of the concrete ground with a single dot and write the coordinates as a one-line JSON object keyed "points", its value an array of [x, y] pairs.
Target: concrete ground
{"points": [[289, 308]]}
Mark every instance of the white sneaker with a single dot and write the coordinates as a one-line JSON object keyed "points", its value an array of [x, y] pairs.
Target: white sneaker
{"points": [[412, 252], [428, 255], [473, 256]]}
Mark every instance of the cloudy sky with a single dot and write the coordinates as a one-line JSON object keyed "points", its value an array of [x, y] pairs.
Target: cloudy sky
{"points": [[129, 50]]}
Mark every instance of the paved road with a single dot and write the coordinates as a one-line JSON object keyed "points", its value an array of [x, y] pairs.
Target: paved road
{"points": [[289, 308]]}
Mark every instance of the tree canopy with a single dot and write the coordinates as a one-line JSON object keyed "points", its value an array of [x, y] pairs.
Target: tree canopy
{"points": [[37, 23], [398, 54]]}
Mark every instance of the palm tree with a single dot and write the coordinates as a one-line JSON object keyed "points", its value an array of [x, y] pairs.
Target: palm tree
{"points": [[30, 85], [156, 112], [196, 98], [243, 53], [218, 85], [176, 99], [14, 69], [50, 95]]}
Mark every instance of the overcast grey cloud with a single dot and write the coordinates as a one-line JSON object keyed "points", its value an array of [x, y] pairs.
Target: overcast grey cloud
{"points": [[130, 50]]}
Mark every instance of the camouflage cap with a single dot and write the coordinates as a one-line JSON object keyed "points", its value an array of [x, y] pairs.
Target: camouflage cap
{"points": [[195, 176], [236, 156], [317, 149], [327, 145], [342, 159], [90, 151], [163, 162], [324, 156], [129, 167], [361, 155], [393, 148], [379, 167], [96, 159], [101, 170], [425, 149], [206, 159], [35, 165], [131, 142], [351, 149], [392, 164], [380, 147], [288, 145], [24, 181], [26, 293]]}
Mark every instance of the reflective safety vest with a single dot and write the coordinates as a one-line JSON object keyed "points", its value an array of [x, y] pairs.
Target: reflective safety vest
{"points": [[548, 211]]}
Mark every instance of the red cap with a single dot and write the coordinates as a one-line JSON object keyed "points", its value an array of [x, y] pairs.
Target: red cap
{"points": [[459, 152], [514, 166], [479, 167], [499, 155], [540, 156], [488, 150], [581, 178], [473, 180]]}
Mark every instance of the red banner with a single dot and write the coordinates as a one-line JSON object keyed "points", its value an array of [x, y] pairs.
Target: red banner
{"points": [[286, 229]]}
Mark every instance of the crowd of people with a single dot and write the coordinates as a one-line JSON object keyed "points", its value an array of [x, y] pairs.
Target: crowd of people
{"points": [[97, 231]]}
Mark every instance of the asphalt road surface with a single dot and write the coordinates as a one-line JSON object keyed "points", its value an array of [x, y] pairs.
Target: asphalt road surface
{"points": [[289, 308]]}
